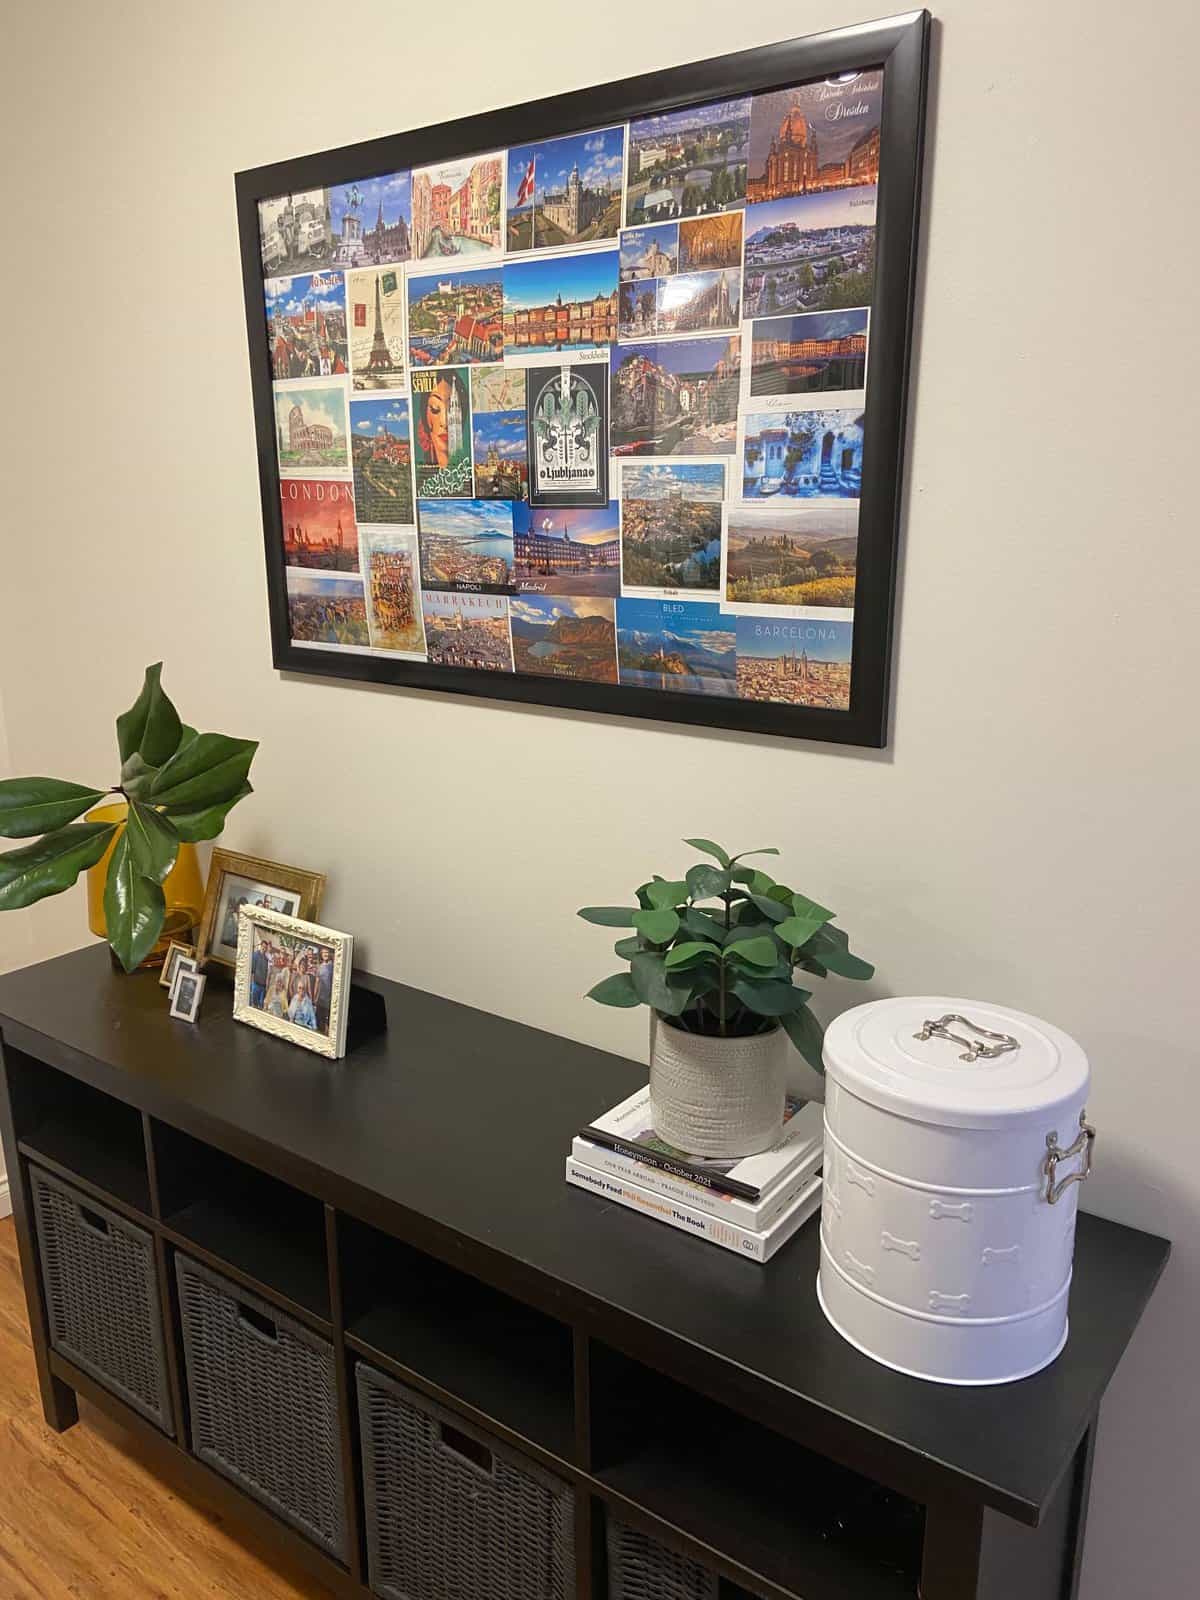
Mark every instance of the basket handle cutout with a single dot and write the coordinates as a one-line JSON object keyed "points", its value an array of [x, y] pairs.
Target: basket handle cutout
{"points": [[461, 1444], [93, 1221], [259, 1325]]}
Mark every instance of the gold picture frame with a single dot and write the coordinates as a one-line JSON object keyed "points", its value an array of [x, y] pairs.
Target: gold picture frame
{"points": [[269, 885], [176, 951], [292, 979]]}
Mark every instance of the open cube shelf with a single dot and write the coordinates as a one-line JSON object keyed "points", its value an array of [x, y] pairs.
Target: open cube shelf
{"points": [[507, 1361], [813, 1528]]}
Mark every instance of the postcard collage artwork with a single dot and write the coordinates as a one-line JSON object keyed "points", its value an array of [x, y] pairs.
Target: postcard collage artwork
{"points": [[590, 408]]}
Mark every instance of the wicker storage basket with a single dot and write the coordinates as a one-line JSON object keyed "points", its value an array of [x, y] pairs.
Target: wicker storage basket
{"points": [[639, 1568], [263, 1401], [102, 1296], [451, 1514]]}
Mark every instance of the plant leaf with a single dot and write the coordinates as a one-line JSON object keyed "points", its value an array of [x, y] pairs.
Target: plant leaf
{"points": [[192, 826], [704, 881], [133, 907], [802, 906], [29, 806], [799, 930], [608, 916], [690, 953], [807, 1035], [52, 864], [703, 925], [755, 879], [767, 850], [615, 991], [759, 952], [628, 948], [664, 895], [212, 768], [771, 909], [137, 777], [711, 849], [153, 841], [831, 947], [657, 926], [151, 727], [653, 983], [768, 997]]}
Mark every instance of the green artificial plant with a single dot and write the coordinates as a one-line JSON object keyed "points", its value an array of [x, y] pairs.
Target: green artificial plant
{"points": [[717, 951], [180, 786]]}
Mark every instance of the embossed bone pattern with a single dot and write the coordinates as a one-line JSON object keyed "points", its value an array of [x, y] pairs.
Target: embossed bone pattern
{"points": [[902, 1247], [948, 1208], [993, 1254], [956, 1303]]}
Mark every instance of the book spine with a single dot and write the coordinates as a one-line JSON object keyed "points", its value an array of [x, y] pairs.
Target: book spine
{"points": [[717, 1204], [698, 1223], [682, 1169]]}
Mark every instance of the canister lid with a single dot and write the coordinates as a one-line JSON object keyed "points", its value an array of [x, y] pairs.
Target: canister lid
{"points": [[873, 1051]]}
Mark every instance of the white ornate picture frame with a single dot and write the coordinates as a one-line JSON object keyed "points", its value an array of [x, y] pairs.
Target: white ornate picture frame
{"points": [[300, 1013]]}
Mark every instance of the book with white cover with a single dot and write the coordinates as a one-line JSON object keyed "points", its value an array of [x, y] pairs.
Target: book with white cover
{"points": [[700, 1224], [753, 1214], [629, 1130]]}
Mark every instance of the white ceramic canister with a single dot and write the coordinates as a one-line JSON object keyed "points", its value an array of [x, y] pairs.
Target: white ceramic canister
{"points": [[955, 1140]]}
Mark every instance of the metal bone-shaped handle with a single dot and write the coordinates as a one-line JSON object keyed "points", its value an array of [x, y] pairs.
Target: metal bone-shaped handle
{"points": [[1083, 1146], [940, 1028]]}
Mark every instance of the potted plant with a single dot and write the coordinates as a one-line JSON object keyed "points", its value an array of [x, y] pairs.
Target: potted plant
{"points": [[176, 787], [715, 954]]}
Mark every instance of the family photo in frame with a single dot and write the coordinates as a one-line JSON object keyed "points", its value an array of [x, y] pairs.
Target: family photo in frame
{"points": [[292, 979]]}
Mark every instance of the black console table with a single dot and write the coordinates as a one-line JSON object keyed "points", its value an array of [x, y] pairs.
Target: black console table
{"points": [[408, 1204]]}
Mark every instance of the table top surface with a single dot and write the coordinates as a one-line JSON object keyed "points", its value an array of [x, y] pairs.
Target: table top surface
{"points": [[466, 1119]]}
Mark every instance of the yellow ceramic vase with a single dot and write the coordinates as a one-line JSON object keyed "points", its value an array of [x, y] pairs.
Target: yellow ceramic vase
{"points": [[183, 890]]}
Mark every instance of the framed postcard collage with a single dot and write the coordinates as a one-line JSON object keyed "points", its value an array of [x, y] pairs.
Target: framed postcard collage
{"points": [[599, 402]]}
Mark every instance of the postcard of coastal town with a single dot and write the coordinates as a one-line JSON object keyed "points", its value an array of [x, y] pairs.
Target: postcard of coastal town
{"points": [[659, 329]]}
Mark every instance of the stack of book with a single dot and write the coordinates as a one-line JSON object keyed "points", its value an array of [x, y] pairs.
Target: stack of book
{"points": [[752, 1205]]}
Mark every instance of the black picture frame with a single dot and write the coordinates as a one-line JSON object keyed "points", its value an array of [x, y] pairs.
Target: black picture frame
{"points": [[899, 47]]}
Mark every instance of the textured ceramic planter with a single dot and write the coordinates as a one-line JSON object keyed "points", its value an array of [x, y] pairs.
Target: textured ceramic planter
{"points": [[717, 1097]]}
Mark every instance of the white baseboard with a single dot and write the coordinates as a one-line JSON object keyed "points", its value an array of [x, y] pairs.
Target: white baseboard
{"points": [[5, 1199]]}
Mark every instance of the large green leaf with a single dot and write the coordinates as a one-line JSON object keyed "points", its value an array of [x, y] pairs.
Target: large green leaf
{"points": [[608, 916], [711, 849], [192, 826], [759, 952], [133, 907], [137, 777], [628, 948], [771, 909], [664, 895], [657, 926], [654, 986], [690, 953], [41, 805], [615, 991], [768, 997], [807, 1035], [52, 864], [757, 881], [151, 727], [704, 882], [153, 841], [212, 768], [703, 924], [802, 906], [799, 930], [831, 947]]}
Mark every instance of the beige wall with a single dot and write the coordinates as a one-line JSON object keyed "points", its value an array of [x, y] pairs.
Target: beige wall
{"points": [[1030, 836]]}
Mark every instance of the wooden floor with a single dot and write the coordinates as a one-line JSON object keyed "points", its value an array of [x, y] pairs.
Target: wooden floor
{"points": [[82, 1517]]}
